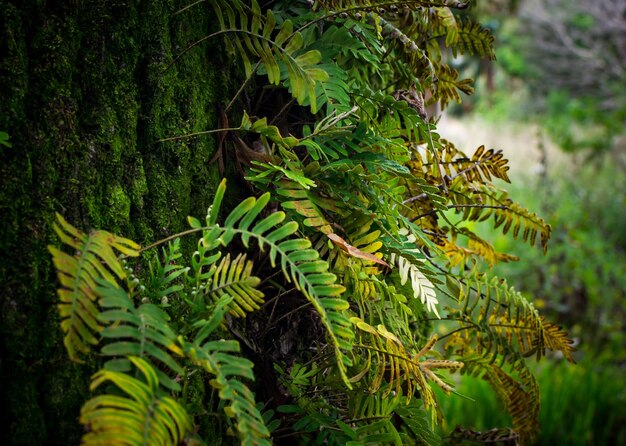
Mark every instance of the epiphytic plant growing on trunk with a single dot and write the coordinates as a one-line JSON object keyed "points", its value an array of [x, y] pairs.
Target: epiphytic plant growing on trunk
{"points": [[338, 296]]}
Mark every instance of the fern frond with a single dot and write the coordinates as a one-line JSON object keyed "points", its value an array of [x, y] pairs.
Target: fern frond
{"points": [[271, 132], [423, 288], [298, 262], [555, 339], [479, 169], [516, 387], [278, 52], [141, 417], [520, 397], [506, 323], [141, 332], [78, 274], [416, 421], [302, 202], [481, 202], [234, 278], [333, 93], [477, 248], [227, 369], [472, 38], [396, 368], [448, 86], [165, 275]]}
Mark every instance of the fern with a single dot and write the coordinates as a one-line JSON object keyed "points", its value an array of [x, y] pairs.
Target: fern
{"points": [[78, 276], [298, 263], [448, 85], [165, 275], [479, 203], [234, 278], [254, 37], [217, 359], [423, 288], [507, 323], [364, 242], [397, 367], [141, 332], [302, 202], [521, 398], [471, 38], [139, 418]]}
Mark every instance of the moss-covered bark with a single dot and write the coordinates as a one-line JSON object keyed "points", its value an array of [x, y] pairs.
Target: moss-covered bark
{"points": [[85, 91]]}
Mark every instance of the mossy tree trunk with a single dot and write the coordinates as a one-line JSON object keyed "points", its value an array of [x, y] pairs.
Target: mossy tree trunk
{"points": [[86, 90]]}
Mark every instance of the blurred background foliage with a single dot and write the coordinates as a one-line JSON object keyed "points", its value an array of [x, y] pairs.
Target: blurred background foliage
{"points": [[557, 98]]}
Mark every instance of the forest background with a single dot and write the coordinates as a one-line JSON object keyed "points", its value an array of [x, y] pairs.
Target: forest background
{"points": [[555, 102]]}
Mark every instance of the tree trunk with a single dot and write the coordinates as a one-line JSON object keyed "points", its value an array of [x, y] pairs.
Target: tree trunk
{"points": [[86, 90]]}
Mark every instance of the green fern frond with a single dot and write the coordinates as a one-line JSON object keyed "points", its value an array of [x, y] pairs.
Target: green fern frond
{"points": [[280, 53], [141, 417], [141, 332], [165, 275], [302, 202], [227, 369], [78, 274], [268, 172], [271, 132], [250, 424], [415, 421], [333, 93], [298, 262]]}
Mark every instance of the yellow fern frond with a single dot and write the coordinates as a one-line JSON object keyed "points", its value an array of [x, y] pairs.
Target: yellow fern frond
{"points": [[141, 417], [78, 274], [234, 278]]}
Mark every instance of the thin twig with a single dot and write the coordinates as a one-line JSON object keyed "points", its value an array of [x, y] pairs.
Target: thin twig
{"points": [[180, 11], [232, 101], [191, 135], [415, 198]]}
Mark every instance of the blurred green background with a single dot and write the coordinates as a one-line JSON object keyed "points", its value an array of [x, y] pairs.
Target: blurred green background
{"points": [[555, 103]]}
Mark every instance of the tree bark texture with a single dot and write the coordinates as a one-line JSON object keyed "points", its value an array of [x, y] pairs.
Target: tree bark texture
{"points": [[86, 88]]}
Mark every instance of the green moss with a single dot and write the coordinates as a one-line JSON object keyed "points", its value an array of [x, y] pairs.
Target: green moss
{"points": [[118, 206], [86, 91]]}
